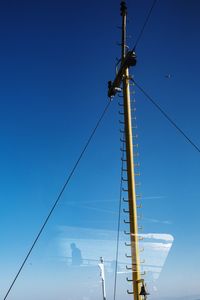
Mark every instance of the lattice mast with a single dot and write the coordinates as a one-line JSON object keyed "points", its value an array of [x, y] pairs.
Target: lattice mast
{"points": [[128, 59]]}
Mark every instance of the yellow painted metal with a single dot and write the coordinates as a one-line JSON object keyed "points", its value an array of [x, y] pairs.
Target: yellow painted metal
{"points": [[131, 191], [131, 175]]}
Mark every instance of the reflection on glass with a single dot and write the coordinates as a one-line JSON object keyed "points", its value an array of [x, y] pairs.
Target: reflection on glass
{"points": [[82, 247], [76, 255]]}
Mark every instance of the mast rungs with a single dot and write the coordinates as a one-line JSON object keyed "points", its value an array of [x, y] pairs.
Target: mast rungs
{"points": [[122, 76], [123, 141], [136, 165], [143, 273], [124, 179], [138, 196], [124, 160], [130, 293], [128, 256], [120, 113], [126, 211], [127, 244], [135, 136], [126, 222], [129, 280], [120, 44], [127, 233], [125, 200]]}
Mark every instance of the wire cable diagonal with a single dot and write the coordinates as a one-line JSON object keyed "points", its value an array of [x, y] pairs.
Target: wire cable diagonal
{"points": [[58, 198], [145, 24], [171, 121], [118, 227]]}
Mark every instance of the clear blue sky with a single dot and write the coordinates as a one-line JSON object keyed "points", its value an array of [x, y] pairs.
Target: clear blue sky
{"points": [[56, 58]]}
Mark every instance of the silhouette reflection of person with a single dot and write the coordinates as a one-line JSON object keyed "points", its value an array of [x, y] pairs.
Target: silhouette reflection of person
{"points": [[76, 255]]}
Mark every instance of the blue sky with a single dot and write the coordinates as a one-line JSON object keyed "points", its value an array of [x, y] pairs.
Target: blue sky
{"points": [[56, 58]]}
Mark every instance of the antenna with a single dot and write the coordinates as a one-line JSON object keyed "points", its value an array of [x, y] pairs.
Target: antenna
{"points": [[102, 274]]}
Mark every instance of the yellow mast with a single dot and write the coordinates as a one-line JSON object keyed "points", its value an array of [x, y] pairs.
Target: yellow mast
{"points": [[129, 59], [130, 168]]}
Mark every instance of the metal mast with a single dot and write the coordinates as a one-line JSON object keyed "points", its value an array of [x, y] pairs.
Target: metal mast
{"points": [[130, 166], [128, 58]]}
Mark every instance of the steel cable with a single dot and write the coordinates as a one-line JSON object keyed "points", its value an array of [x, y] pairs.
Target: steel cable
{"points": [[145, 24], [172, 122], [57, 200], [118, 226]]}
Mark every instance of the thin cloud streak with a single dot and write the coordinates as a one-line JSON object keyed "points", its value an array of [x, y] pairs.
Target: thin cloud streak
{"points": [[167, 222], [154, 197]]}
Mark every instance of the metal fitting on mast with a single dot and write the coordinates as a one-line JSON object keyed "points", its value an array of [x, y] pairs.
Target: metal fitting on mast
{"points": [[123, 8], [128, 61]]}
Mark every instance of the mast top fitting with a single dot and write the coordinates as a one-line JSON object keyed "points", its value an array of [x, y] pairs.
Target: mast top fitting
{"points": [[123, 8]]}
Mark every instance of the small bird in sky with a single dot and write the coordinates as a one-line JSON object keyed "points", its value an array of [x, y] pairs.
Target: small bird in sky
{"points": [[168, 76]]}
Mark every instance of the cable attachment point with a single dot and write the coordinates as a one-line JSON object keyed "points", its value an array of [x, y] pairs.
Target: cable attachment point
{"points": [[128, 61]]}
